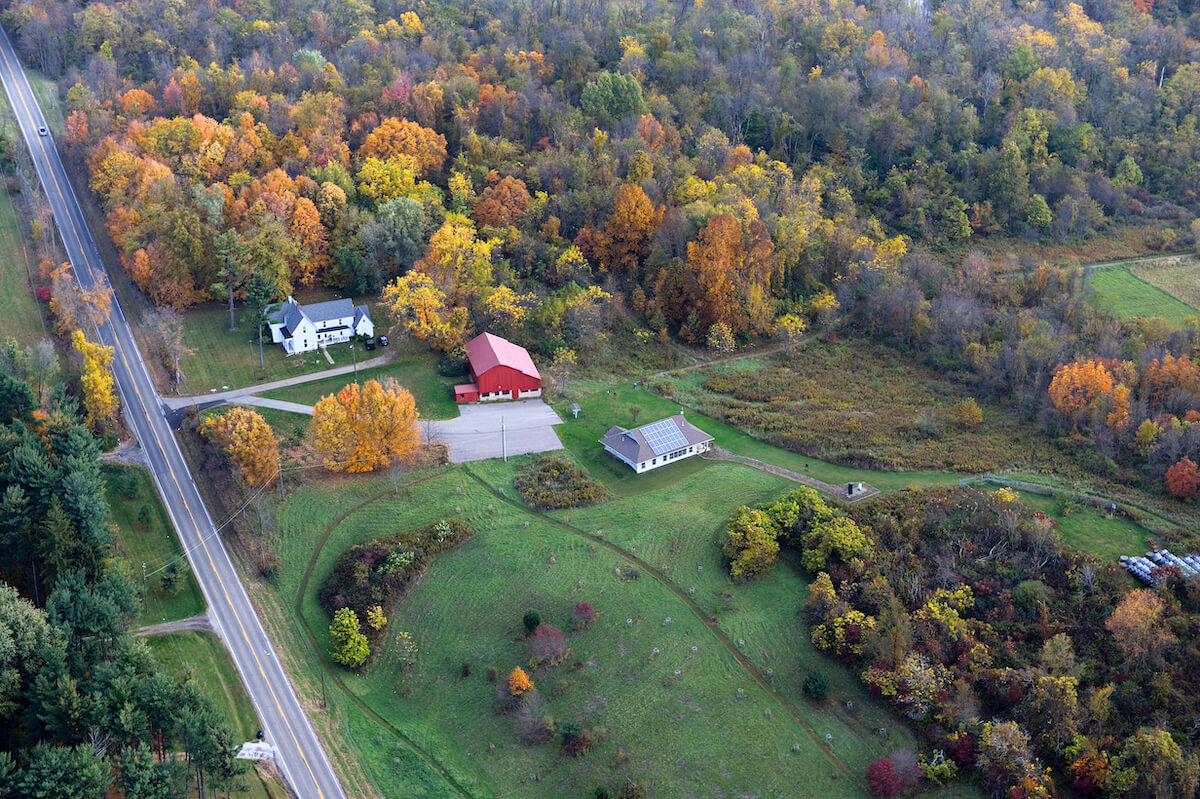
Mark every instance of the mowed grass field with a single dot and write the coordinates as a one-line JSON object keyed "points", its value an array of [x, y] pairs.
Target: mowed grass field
{"points": [[128, 490], [713, 731], [413, 367], [223, 358], [1178, 276], [201, 655], [1116, 289], [22, 317]]}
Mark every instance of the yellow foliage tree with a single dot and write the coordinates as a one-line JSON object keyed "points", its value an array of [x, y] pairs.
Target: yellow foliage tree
{"points": [[99, 390], [247, 440], [519, 682], [420, 308], [361, 429], [459, 262], [375, 617]]}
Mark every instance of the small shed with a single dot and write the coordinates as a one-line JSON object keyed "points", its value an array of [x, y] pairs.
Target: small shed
{"points": [[466, 392]]}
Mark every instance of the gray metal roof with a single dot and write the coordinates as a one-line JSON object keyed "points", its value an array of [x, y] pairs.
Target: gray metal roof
{"points": [[327, 311], [675, 431], [360, 311]]}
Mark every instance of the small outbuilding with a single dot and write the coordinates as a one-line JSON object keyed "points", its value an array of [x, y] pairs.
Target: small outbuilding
{"points": [[656, 444], [499, 370]]}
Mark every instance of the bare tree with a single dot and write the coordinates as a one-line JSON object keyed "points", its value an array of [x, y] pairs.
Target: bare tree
{"points": [[165, 327], [43, 364]]}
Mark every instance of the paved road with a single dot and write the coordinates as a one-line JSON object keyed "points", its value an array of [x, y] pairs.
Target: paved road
{"points": [[301, 759]]}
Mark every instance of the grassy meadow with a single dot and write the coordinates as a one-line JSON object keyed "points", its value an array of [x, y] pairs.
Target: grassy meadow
{"points": [[22, 317], [222, 358], [1178, 276], [1116, 289], [414, 367], [858, 405], [129, 489], [666, 732]]}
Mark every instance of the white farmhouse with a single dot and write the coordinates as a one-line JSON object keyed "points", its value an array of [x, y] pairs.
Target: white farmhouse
{"points": [[657, 444], [305, 328]]}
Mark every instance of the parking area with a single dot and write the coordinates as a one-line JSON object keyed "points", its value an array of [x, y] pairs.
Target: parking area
{"points": [[476, 435]]}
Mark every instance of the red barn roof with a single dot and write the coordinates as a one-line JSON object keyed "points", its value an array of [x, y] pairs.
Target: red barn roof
{"points": [[486, 351]]}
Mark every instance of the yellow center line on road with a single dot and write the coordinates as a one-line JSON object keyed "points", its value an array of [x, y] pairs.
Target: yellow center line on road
{"points": [[158, 441]]}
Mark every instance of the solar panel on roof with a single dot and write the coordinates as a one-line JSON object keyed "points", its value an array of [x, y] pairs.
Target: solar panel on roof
{"points": [[663, 436]]}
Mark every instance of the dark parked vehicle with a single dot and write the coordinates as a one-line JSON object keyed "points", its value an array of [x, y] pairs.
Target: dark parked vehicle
{"points": [[383, 341], [369, 343]]}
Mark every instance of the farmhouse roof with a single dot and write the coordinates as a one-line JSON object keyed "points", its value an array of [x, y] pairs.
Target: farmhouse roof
{"points": [[328, 311], [654, 439], [360, 311], [486, 351]]}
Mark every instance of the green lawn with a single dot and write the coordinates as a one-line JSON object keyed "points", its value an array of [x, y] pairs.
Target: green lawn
{"points": [[670, 734], [1090, 530], [1116, 289], [129, 489], [222, 358], [415, 368], [201, 654], [22, 317]]}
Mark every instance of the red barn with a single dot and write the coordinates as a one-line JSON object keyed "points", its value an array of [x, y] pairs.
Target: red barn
{"points": [[500, 370]]}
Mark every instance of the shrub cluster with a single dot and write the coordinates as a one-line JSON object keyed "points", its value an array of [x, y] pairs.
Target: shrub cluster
{"points": [[969, 607], [556, 482], [378, 572]]}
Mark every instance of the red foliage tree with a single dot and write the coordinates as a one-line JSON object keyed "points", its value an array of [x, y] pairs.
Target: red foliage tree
{"points": [[883, 779], [549, 645], [1182, 479]]}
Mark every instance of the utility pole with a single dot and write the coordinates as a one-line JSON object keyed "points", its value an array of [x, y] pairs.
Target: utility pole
{"points": [[354, 357], [261, 365], [143, 574], [503, 442]]}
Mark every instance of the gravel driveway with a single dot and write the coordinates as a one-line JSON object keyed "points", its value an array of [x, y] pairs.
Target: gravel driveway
{"points": [[475, 435]]}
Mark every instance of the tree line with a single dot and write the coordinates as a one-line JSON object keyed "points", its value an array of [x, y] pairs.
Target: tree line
{"points": [[84, 708], [707, 164]]}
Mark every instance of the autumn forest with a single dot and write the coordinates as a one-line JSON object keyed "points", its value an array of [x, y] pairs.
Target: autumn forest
{"points": [[590, 176]]}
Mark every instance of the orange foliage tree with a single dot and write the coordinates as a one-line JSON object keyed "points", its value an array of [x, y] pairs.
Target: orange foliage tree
{"points": [[1168, 374], [361, 429], [395, 137], [1137, 627], [1075, 386], [502, 204], [624, 240], [247, 440], [519, 682], [1182, 479], [726, 268]]}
